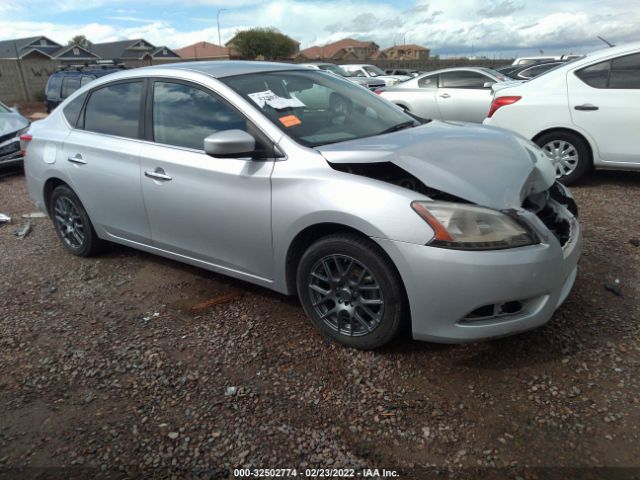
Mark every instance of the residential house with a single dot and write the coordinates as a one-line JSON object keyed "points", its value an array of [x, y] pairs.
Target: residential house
{"points": [[43, 48], [137, 49], [345, 49], [204, 51], [407, 52]]}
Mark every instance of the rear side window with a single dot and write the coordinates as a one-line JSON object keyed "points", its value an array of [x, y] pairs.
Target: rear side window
{"points": [[619, 73], [463, 80], [114, 110], [428, 82], [184, 116], [53, 87], [72, 110], [625, 72], [70, 85], [596, 76]]}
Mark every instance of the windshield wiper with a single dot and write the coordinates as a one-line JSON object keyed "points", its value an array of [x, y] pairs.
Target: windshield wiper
{"points": [[399, 126]]}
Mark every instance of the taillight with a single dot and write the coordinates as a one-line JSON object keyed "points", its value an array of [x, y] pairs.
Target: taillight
{"points": [[24, 142], [501, 102], [378, 91]]}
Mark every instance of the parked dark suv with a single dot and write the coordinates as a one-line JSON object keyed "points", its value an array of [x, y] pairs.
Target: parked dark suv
{"points": [[68, 79]]}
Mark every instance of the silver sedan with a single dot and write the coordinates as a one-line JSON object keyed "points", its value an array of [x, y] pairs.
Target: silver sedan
{"points": [[462, 94], [373, 218]]}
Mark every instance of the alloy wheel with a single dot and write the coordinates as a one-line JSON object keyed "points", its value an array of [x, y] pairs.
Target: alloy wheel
{"points": [[69, 222], [345, 295]]}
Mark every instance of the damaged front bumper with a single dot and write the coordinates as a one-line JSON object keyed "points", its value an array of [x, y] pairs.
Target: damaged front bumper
{"points": [[459, 296], [10, 150]]}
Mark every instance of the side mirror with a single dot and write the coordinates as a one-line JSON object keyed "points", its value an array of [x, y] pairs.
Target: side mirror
{"points": [[229, 143], [488, 84]]}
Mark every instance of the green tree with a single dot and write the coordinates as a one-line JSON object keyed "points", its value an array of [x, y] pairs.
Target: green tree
{"points": [[79, 40], [267, 43]]}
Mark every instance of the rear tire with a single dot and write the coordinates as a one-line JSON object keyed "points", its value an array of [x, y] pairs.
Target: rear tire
{"points": [[351, 292], [72, 223], [569, 153]]}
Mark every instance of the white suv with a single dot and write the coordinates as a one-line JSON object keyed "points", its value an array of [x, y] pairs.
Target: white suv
{"points": [[585, 113]]}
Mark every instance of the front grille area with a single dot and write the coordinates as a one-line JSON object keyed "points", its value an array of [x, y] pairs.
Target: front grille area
{"points": [[9, 150], [544, 206]]}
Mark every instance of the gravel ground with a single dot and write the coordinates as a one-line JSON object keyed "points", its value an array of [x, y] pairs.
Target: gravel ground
{"points": [[130, 365]]}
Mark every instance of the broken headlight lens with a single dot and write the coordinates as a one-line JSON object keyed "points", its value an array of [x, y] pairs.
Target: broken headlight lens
{"points": [[468, 227]]}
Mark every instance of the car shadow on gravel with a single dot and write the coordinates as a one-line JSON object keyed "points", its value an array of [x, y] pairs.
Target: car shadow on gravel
{"points": [[609, 177]]}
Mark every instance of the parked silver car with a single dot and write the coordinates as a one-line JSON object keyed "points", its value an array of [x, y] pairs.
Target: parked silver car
{"points": [[12, 125], [462, 94], [372, 217], [372, 83], [373, 71]]}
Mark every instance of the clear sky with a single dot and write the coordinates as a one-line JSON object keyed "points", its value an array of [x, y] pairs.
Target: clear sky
{"points": [[501, 28]]}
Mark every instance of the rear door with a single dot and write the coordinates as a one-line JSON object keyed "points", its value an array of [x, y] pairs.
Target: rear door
{"points": [[419, 96], [101, 156], [604, 100], [216, 210], [463, 96]]}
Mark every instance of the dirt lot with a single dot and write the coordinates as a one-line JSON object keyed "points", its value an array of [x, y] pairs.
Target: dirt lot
{"points": [[108, 371]]}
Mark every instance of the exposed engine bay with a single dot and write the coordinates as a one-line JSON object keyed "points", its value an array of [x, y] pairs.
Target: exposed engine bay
{"points": [[391, 173]]}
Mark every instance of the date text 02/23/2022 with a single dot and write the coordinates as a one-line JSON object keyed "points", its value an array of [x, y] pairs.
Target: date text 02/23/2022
{"points": [[369, 473]]}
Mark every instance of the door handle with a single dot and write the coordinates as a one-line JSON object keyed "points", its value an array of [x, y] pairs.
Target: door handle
{"points": [[77, 159], [157, 174], [445, 95], [587, 107]]}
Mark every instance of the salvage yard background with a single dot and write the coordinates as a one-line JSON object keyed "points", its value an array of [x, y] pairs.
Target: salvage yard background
{"points": [[129, 364]]}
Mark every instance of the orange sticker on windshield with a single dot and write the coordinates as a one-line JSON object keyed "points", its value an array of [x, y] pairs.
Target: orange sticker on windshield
{"points": [[290, 121]]}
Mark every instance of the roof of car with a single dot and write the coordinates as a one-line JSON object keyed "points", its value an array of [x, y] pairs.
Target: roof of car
{"points": [[229, 68], [605, 52]]}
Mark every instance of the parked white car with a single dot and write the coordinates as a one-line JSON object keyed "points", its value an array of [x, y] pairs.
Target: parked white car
{"points": [[366, 70], [583, 114], [462, 94]]}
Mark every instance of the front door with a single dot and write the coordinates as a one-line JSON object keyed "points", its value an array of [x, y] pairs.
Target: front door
{"points": [[216, 210], [604, 100]]}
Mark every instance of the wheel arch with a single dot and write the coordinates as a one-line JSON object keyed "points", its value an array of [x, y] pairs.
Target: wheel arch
{"points": [[49, 186], [306, 237]]}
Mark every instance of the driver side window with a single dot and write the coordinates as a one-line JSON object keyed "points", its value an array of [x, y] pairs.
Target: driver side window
{"points": [[428, 82], [183, 116]]}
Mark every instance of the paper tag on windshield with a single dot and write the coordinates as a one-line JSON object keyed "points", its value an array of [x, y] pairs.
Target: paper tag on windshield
{"points": [[290, 121], [274, 101]]}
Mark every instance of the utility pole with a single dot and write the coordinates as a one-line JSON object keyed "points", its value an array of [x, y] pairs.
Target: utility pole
{"points": [[218, 18]]}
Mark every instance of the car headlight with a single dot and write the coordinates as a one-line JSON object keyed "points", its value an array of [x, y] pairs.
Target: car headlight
{"points": [[23, 131], [469, 227]]}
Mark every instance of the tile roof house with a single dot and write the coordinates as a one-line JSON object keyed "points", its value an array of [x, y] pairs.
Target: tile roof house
{"points": [[137, 49], [43, 48], [345, 49], [203, 51], [407, 52]]}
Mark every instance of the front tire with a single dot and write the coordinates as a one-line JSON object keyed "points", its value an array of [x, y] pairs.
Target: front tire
{"points": [[351, 292], [569, 153], [72, 223]]}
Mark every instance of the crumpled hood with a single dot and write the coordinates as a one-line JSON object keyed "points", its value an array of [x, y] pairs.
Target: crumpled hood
{"points": [[485, 165], [11, 122]]}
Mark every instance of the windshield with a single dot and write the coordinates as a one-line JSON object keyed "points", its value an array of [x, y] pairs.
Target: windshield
{"points": [[373, 70], [335, 69], [316, 108]]}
